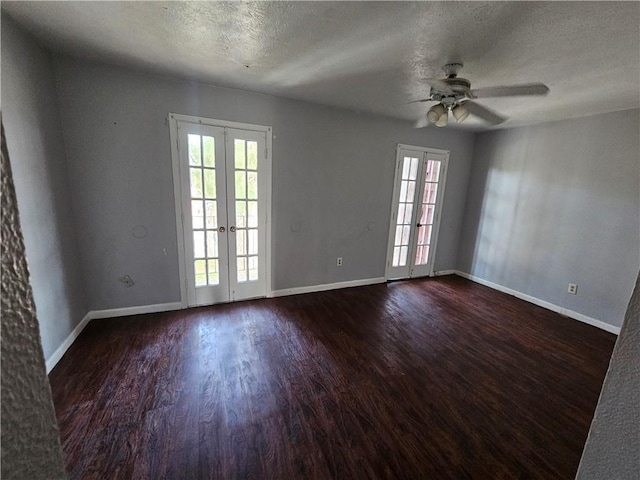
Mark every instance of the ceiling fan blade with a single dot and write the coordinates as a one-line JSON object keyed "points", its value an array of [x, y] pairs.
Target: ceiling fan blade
{"points": [[423, 100], [421, 122], [510, 91], [483, 112]]}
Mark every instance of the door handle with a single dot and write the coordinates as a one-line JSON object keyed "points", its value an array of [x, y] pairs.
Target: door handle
{"points": [[221, 229], [232, 229], [418, 225]]}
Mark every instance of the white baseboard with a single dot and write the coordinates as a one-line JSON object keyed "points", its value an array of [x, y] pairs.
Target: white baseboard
{"points": [[326, 286], [55, 357], [123, 312], [53, 360], [166, 307], [440, 273], [542, 303]]}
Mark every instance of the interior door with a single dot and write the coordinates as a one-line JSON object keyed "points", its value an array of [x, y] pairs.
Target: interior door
{"points": [[223, 185], [204, 212], [247, 213], [418, 192]]}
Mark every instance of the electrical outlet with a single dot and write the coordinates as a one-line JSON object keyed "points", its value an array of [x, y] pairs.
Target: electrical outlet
{"points": [[128, 281], [573, 288], [339, 262]]}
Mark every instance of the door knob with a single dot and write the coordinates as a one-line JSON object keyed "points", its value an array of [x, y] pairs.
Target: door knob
{"points": [[418, 225], [221, 229], [232, 229]]}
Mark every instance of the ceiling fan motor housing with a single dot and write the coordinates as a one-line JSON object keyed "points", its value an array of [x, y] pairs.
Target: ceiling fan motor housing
{"points": [[457, 89]]}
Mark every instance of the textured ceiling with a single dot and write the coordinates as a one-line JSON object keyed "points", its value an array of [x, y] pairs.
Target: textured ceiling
{"points": [[366, 56]]}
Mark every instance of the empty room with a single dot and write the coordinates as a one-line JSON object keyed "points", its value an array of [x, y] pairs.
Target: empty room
{"points": [[320, 240]]}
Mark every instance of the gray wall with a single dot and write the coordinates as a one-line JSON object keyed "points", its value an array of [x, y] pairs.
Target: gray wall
{"points": [[32, 125], [558, 203], [613, 446], [332, 175], [30, 443]]}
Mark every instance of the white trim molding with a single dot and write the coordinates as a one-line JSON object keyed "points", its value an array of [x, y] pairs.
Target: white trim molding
{"points": [[55, 357], [124, 312], [440, 273], [327, 286], [542, 303]]}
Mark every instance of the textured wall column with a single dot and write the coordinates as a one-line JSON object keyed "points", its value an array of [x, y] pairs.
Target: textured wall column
{"points": [[30, 440], [612, 450]]}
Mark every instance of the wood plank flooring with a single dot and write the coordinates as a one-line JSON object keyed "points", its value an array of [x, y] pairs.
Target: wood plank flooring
{"points": [[425, 379]]}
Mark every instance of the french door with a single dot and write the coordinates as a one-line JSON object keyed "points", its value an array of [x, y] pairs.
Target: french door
{"points": [[222, 176], [415, 216]]}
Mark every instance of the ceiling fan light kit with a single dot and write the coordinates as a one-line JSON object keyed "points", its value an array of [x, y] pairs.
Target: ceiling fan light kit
{"points": [[443, 120], [435, 112], [460, 113], [454, 94]]}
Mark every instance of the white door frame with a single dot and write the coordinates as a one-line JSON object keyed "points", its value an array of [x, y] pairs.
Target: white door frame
{"points": [[442, 182], [174, 118]]}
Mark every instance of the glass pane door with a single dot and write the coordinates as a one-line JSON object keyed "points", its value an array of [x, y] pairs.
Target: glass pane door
{"points": [[428, 204], [204, 212], [415, 213], [247, 234], [403, 220], [224, 215]]}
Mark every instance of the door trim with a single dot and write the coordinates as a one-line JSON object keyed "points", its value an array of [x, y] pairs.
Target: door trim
{"points": [[173, 119], [440, 200]]}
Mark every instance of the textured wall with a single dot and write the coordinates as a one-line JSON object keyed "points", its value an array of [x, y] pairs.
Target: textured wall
{"points": [[30, 444], [558, 203], [612, 450], [32, 123], [332, 175]]}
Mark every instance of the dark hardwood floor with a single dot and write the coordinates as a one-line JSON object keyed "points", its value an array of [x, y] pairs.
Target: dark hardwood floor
{"points": [[425, 379]]}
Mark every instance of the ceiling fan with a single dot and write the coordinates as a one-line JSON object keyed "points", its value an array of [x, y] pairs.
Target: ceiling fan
{"points": [[454, 95]]}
